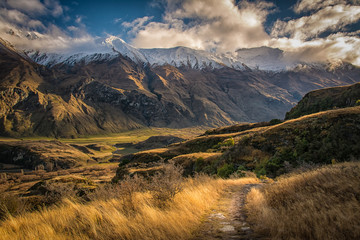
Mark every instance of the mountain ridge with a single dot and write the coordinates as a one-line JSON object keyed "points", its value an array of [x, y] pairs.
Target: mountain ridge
{"points": [[108, 48], [105, 95]]}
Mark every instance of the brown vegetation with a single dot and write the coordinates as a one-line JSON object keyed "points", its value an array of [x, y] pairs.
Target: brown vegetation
{"points": [[48, 155], [319, 204], [162, 207]]}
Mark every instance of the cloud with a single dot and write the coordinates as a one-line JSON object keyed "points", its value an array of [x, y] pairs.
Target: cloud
{"points": [[19, 24], [330, 18], [137, 24], [27, 6], [13, 16], [335, 47], [53, 40], [34, 7], [54, 7], [207, 24], [314, 5], [79, 19], [117, 20], [300, 38]]}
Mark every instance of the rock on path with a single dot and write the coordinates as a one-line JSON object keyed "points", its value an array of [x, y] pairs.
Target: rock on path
{"points": [[228, 220]]}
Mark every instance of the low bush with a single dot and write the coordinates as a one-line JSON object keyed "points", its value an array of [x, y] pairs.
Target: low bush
{"points": [[11, 205], [226, 170]]}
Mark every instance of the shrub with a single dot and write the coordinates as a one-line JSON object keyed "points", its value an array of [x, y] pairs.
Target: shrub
{"points": [[239, 173], [275, 165], [275, 121], [199, 164], [260, 172], [11, 205], [226, 170], [225, 144], [165, 184]]}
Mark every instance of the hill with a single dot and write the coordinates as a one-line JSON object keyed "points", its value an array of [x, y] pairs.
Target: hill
{"points": [[326, 99], [42, 155], [320, 138]]}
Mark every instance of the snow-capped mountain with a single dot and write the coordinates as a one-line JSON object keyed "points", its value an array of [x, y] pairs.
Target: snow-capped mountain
{"points": [[262, 58], [115, 87]]}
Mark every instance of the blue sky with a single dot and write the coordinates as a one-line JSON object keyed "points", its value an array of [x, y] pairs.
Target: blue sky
{"points": [[106, 17], [310, 29]]}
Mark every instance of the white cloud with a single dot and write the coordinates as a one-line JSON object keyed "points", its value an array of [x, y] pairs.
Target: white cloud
{"points": [[36, 24], [300, 37], [335, 47], [314, 5], [330, 18], [137, 24], [78, 19], [13, 16], [117, 20], [54, 40], [207, 24], [35, 7], [54, 7], [27, 6], [20, 26]]}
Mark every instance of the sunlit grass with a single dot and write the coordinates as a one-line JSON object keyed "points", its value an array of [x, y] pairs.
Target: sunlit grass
{"points": [[101, 219], [320, 204], [135, 135]]}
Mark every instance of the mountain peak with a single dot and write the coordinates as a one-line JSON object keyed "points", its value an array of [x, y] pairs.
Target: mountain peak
{"points": [[259, 58]]}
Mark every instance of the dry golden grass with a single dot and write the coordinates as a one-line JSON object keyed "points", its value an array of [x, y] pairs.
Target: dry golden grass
{"points": [[320, 204], [135, 135], [19, 183], [107, 219]]}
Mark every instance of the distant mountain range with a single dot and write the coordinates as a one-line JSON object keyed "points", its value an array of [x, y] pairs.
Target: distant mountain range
{"points": [[262, 58], [118, 87]]}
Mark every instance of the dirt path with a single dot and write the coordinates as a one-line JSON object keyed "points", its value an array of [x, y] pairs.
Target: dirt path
{"points": [[228, 220]]}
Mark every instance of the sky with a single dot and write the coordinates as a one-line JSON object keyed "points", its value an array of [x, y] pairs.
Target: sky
{"points": [[309, 30]]}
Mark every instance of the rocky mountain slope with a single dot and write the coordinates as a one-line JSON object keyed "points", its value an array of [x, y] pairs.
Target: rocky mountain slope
{"points": [[121, 88]]}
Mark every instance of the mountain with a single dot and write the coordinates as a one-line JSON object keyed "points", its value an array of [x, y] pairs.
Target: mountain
{"points": [[326, 99], [118, 87], [262, 58]]}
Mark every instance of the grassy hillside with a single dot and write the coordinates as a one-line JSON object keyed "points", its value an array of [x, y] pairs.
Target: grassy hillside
{"points": [[326, 99], [47, 154], [321, 138], [319, 204]]}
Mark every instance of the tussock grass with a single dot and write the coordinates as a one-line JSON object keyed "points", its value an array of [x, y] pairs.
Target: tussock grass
{"points": [[319, 204], [108, 219]]}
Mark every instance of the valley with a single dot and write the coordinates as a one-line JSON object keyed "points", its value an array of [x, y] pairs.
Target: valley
{"points": [[113, 91], [242, 181], [177, 143]]}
